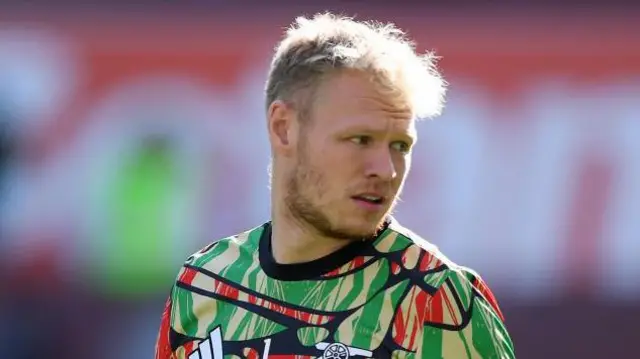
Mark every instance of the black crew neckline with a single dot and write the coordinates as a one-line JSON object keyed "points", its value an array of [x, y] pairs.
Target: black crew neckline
{"points": [[312, 269]]}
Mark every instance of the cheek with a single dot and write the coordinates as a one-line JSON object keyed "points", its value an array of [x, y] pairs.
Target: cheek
{"points": [[402, 164], [340, 158], [331, 179], [314, 181], [402, 170]]}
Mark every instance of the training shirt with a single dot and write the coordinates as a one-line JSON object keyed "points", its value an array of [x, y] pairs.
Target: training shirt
{"points": [[393, 296]]}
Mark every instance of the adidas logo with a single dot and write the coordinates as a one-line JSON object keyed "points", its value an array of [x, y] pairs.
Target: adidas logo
{"points": [[210, 348]]}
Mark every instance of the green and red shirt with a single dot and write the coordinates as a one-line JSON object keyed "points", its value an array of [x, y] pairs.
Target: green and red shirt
{"points": [[395, 296]]}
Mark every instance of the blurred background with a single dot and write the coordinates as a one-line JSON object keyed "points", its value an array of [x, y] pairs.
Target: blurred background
{"points": [[132, 136]]}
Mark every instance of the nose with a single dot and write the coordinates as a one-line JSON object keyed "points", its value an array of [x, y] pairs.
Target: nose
{"points": [[381, 165]]}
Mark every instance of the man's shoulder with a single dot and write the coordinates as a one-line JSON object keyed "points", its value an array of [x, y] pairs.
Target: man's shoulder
{"points": [[416, 248], [451, 285], [226, 251], [418, 254]]}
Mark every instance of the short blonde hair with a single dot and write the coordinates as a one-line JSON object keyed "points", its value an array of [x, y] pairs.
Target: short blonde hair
{"points": [[315, 47]]}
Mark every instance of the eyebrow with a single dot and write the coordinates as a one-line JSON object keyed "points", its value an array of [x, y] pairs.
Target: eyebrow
{"points": [[412, 134]]}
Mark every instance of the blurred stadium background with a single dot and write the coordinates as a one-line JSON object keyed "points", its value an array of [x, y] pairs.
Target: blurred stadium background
{"points": [[134, 135]]}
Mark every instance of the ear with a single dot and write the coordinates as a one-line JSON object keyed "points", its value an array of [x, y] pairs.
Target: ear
{"points": [[282, 127]]}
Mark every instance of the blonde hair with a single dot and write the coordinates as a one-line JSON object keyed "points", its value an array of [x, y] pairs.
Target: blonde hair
{"points": [[313, 48]]}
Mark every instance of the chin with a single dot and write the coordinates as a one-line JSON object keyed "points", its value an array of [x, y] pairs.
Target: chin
{"points": [[360, 228]]}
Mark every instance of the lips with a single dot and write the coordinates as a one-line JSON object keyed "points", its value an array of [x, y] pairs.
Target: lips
{"points": [[373, 198]]}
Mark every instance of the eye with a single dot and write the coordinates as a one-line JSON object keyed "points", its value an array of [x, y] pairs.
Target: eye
{"points": [[401, 146], [361, 140]]}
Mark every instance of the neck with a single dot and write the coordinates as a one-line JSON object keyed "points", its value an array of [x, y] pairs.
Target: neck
{"points": [[293, 241]]}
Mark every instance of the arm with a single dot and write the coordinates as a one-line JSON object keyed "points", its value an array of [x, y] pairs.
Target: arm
{"points": [[177, 337], [488, 332], [481, 332], [163, 346]]}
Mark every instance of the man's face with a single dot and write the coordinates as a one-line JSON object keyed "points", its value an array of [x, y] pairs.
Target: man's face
{"points": [[352, 157]]}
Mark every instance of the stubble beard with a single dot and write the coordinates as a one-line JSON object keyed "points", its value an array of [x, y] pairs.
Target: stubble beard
{"points": [[299, 202]]}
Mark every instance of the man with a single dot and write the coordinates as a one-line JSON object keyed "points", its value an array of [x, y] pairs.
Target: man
{"points": [[333, 275]]}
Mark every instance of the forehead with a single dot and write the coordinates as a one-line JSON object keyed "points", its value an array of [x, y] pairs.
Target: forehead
{"points": [[351, 98]]}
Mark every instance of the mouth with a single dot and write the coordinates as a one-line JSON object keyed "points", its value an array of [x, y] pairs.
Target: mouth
{"points": [[370, 199]]}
